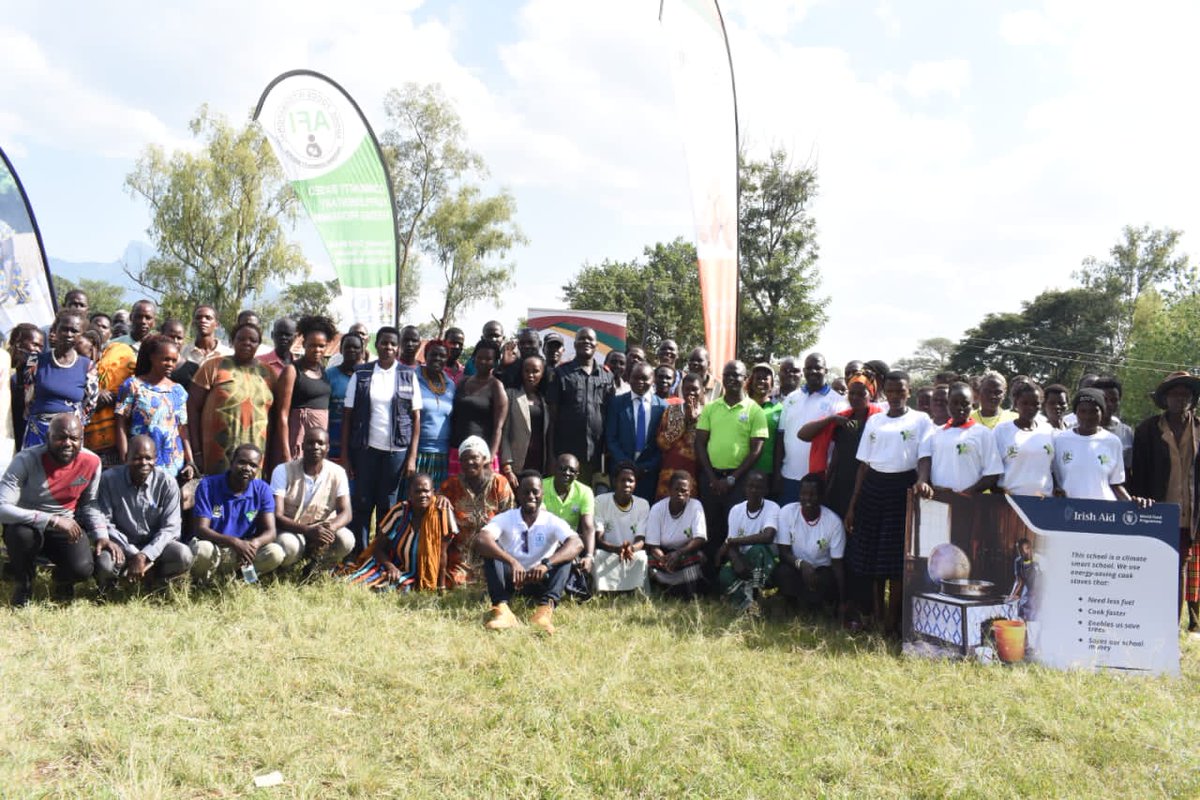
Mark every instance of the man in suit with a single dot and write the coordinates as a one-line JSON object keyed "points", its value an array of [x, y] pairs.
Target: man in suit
{"points": [[631, 430]]}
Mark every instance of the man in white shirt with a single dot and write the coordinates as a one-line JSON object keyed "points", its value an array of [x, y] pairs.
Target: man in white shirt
{"points": [[621, 562], [813, 400], [526, 550], [312, 506], [811, 544]]}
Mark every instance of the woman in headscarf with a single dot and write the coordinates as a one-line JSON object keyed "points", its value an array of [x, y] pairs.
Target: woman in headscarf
{"points": [[677, 434], [476, 494], [842, 431], [409, 550]]}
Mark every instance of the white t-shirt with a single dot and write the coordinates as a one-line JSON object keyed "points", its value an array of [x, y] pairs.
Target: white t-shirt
{"points": [[961, 456], [669, 533], [1028, 458], [890, 444], [615, 526], [742, 524], [529, 544], [1088, 466], [818, 542], [801, 407], [385, 383]]}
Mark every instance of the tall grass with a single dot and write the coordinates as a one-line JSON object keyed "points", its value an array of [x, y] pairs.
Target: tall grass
{"points": [[354, 695]]}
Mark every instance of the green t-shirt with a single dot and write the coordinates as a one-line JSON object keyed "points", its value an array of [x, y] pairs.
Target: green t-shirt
{"points": [[579, 501], [730, 429], [766, 462]]}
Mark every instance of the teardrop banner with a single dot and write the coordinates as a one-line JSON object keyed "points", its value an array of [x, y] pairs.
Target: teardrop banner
{"points": [[702, 75], [330, 154], [26, 288]]}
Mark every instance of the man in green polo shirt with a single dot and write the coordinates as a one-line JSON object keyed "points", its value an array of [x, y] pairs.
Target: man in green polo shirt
{"points": [[729, 439], [574, 502]]}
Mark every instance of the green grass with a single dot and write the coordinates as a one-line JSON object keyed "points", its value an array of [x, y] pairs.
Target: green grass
{"points": [[354, 695]]}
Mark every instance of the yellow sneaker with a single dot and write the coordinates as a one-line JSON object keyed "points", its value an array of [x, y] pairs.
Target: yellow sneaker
{"points": [[501, 618], [541, 618]]}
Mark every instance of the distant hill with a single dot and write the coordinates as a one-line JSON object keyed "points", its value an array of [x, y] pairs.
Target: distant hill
{"points": [[136, 254]]}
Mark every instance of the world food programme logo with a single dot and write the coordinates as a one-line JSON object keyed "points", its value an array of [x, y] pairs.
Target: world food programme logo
{"points": [[1129, 518], [310, 127]]}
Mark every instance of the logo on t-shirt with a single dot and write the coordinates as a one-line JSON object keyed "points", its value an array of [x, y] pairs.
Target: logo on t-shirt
{"points": [[962, 448], [1104, 459], [1049, 448], [218, 512], [1012, 452], [905, 435], [1068, 457], [539, 540], [744, 416]]}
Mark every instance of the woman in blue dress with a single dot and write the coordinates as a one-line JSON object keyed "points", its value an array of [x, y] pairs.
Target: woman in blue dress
{"points": [[59, 380], [152, 404], [437, 397]]}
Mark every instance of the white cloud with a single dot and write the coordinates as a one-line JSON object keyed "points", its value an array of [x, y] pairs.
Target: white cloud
{"points": [[47, 105], [927, 78], [1028, 27]]}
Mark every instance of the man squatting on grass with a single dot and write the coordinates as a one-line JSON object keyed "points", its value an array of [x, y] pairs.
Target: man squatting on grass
{"points": [[527, 550]]}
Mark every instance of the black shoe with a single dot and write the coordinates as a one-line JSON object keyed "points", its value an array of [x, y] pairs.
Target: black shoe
{"points": [[21, 595], [62, 592]]}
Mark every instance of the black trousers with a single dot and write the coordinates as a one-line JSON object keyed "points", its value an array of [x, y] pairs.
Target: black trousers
{"points": [[72, 560]]}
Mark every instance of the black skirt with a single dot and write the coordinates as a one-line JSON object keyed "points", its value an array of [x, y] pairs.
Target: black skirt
{"points": [[877, 544]]}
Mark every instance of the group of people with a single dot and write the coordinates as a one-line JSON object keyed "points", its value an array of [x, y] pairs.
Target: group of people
{"points": [[529, 467]]}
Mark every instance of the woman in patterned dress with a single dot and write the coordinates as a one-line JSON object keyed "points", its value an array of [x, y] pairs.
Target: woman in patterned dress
{"points": [[477, 494], [152, 404], [230, 402], [677, 434]]}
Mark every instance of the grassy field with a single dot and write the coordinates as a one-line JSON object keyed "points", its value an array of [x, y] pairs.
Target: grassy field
{"points": [[353, 695]]}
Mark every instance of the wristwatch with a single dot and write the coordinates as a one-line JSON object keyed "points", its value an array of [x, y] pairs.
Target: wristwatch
{"points": [[545, 562], [729, 479]]}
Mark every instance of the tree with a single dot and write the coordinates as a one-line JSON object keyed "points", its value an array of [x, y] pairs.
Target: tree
{"points": [[425, 152], [467, 233], [1055, 338], [931, 357], [1143, 259], [102, 295], [1165, 337], [309, 297], [217, 220], [780, 312], [661, 294]]}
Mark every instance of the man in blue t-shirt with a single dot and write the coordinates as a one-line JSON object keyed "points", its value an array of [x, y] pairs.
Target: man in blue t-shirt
{"points": [[234, 519]]}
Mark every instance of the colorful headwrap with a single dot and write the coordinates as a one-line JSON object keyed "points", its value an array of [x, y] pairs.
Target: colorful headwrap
{"points": [[863, 378]]}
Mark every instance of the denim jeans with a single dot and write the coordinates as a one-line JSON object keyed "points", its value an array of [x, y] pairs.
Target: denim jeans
{"points": [[377, 475], [500, 583]]}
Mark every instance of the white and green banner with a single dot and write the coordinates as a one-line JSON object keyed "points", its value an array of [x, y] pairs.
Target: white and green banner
{"points": [[330, 154]]}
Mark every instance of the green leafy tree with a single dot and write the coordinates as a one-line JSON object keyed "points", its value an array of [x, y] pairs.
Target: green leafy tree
{"points": [[471, 235], [1055, 338], [102, 295], [217, 219], [931, 357], [660, 294], [309, 297], [1143, 259], [777, 237], [426, 154], [1165, 337]]}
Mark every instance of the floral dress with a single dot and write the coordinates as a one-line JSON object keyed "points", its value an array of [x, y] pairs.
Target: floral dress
{"points": [[159, 412]]}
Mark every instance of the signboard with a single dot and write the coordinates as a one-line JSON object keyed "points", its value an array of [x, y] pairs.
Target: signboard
{"points": [[608, 325], [1056, 581]]}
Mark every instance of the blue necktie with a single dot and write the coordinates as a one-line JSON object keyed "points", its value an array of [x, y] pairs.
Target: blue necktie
{"points": [[639, 437]]}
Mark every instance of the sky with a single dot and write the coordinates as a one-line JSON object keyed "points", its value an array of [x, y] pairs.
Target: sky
{"points": [[969, 154]]}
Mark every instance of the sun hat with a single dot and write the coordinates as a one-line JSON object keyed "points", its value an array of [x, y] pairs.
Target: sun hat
{"points": [[1179, 378]]}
